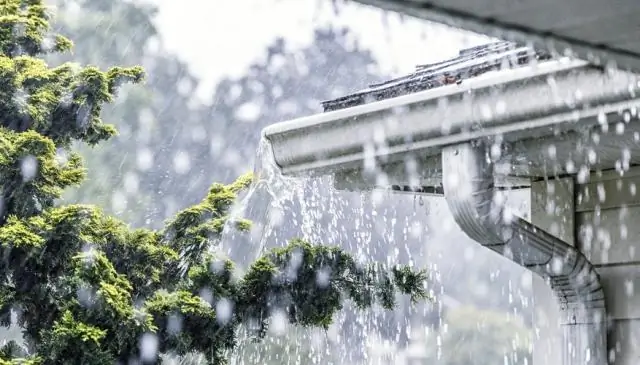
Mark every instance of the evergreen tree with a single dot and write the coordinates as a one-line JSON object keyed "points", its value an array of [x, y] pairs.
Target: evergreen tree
{"points": [[87, 289]]}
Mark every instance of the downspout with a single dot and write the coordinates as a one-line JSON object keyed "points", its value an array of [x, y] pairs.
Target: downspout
{"points": [[477, 209]]}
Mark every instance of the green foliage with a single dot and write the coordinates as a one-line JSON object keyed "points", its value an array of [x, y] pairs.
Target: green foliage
{"points": [[85, 287], [316, 280]]}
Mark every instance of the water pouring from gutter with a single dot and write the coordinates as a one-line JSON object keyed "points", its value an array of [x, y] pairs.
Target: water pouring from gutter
{"points": [[283, 207], [263, 204]]}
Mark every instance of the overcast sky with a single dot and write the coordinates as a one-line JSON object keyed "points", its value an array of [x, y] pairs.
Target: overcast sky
{"points": [[222, 37]]}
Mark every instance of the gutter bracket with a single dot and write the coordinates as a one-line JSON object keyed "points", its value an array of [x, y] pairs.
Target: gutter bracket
{"points": [[478, 209]]}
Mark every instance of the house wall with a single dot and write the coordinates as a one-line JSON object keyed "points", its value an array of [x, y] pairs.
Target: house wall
{"points": [[602, 218], [608, 233]]}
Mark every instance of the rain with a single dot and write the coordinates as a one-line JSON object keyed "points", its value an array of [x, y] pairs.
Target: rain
{"points": [[315, 182]]}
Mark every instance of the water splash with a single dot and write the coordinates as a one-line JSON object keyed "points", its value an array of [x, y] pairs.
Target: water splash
{"points": [[263, 203]]}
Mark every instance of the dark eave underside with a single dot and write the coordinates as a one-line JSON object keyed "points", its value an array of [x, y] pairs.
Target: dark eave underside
{"points": [[594, 30]]}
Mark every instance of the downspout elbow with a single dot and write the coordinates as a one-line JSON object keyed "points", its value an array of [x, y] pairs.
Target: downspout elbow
{"points": [[478, 209]]}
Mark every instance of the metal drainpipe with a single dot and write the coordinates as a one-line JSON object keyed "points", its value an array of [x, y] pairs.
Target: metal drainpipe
{"points": [[469, 191]]}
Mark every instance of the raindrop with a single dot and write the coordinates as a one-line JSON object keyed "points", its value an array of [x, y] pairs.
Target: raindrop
{"points": [[485, 111], [323, 277], [453, 180], [623, 231], [217, 266], [578, 95], [556, 265], [224, 311], [216, 146], [583, 175], [118, 201], [146, 118], [495, 151], [628, 287], [278, 323], [526, 280], [626, 158], [148, 347], [131, 183], [61, 156], [369, 158], [468, 254], [174, 324], [85, 296], [206, 295], [601, 192], [570, 167], [592, 156], [248, 112], [379, 135], [181, 162], [28, 168], [602, 118], [144, 159]]}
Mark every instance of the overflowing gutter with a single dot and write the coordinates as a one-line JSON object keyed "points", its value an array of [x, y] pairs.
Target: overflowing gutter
{"points": [[449, 121]]}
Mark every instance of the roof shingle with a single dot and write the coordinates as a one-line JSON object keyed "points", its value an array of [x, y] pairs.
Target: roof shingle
{"points": [[471, 62]]}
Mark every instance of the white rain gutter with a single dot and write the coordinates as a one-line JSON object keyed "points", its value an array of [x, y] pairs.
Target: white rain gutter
{"points": [[515, 103], [440, 126]]}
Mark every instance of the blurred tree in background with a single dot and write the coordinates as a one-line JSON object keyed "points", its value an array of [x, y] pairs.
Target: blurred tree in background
{"points": [[139, 175]]}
